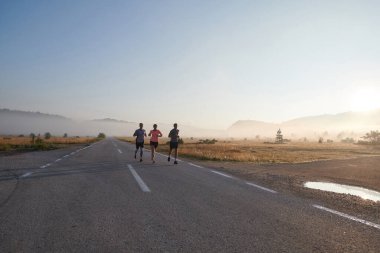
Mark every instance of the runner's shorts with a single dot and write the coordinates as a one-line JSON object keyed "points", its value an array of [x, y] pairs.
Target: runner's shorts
{"points": [[153, 143], [173, 144], [139, 144]]}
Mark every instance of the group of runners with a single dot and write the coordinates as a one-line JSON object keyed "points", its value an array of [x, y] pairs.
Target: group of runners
{"points": [[154, 134]]}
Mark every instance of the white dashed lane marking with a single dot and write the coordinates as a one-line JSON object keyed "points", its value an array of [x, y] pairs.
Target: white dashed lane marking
{"points": [[261, 187], [26, 174], [59, 159], [194, 165], [138, 179], [220, 173]]}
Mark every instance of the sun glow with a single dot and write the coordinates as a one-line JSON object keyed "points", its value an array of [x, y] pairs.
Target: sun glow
{"points": [[365, 99]]}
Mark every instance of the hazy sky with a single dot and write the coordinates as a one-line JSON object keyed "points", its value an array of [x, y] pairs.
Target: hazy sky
{"points": [[204, 63]]}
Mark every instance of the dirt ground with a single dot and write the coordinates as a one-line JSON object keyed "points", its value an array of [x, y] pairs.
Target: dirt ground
{"points": [[363, 172]]}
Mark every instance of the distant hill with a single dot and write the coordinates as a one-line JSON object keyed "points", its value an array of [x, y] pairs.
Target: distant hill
{"points": [[13, 122], [22, 122], [17, 113], [334, 126]]}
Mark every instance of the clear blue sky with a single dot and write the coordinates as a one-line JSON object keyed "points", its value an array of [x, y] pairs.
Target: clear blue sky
{"points": [[204, 63]]}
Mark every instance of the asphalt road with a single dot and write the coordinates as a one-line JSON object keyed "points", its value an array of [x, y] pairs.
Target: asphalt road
{"points": [[100, 199]]}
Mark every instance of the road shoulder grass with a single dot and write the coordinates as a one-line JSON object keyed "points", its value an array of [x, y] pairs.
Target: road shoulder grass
{"points": [[15, 144]]}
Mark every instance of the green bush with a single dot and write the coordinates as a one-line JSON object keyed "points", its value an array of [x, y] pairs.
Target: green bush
{"points": [[348, 140], [373, 137], [47, 135], [5, 147], [207, 141], [101, 136]]}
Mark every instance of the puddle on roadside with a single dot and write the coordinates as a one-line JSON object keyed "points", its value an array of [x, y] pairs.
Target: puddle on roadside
{"points": [[346, 189]]}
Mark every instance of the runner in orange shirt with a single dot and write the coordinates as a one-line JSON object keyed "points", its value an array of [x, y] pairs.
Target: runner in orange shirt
{"points": [[155, 133]]}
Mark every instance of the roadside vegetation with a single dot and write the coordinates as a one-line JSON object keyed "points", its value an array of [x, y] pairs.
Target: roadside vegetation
{"points": [[35, 142], [101, 136], [371, 138]]}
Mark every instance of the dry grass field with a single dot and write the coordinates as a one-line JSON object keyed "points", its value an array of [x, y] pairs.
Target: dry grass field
{"points": [[258, 152], [14, 143]]}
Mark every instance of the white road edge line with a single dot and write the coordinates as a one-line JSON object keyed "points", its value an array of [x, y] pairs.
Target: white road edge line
{"points": [[198, 166], [220, 173], [58, 160], [138, 179], [66, 156], [368, 223], [119, 151], [179, 160], [26, 174], [260, 187]]}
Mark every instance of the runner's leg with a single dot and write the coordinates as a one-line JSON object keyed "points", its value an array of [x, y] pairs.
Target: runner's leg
{"points": [[170, 151], [152, 151], [175, 154]]}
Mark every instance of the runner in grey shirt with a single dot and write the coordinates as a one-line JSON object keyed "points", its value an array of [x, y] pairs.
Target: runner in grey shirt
{"points": [[140, 134], [174, 138]]}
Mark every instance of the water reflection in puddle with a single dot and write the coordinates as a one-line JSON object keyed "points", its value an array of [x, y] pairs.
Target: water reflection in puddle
{"points": [[347, 189]]}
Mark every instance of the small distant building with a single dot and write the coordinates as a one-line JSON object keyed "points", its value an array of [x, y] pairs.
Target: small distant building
{"points": [[279, 137]]}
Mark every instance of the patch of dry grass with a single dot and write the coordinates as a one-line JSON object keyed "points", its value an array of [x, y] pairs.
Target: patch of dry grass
{"points": [[13, 140], [11, 143]]}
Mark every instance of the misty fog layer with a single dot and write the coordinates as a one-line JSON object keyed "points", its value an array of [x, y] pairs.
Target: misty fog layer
{"points": [[339, 126], [17, 122]]}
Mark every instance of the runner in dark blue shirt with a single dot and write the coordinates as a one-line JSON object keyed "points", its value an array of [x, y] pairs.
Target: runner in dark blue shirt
{"points": [[140, 134]]}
